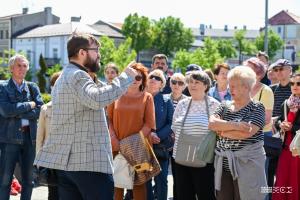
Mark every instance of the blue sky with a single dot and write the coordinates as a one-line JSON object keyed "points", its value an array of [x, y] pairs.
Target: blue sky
{"points": [[191, 12]]}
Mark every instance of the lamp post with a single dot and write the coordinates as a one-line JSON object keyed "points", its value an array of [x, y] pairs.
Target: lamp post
{"points": [[266, 27]]}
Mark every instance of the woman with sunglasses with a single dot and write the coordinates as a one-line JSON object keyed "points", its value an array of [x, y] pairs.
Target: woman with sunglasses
{"points": [[132, 113], [288, 169], [178, 84], [161, 137]]}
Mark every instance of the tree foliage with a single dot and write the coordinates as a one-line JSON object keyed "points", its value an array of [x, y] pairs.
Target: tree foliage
{"points": [[41, 74], [244, 46], [274, 43], [121, 55], [226, 48], [170, 36], [139, 30], [206, 57], [53, 69]]}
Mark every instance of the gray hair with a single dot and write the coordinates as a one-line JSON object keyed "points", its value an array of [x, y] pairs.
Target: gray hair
{"points": [[178, 76], [243, 73], [12, 61], [200, 76]]}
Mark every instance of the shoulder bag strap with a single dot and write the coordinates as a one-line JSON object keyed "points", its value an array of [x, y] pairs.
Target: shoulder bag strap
{"points": [[30, 90], [261, 91], [185, 115], [207, 108], [285, 110]]}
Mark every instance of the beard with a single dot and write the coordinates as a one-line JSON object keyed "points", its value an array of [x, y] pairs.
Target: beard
{"points": [[92, 65]]}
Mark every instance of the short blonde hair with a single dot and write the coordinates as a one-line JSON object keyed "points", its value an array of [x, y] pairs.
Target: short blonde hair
{"points": [[178, 76], [12, 61], [243, 73], [160, 74]]}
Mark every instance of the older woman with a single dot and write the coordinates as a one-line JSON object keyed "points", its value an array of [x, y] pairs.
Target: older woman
{"points": [[240, 157], [132, 113], [220, 90], [178, 84], [161, 137], [191, 118], [287, 174]]}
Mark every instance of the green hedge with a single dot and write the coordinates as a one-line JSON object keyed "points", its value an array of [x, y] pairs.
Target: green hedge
{"points": [[46, 97]]}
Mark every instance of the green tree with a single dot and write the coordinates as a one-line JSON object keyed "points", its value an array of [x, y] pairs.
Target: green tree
{"points": [[244, 46], [274, 43], [53, 69], [4, 73], [226, 48], [170, 36], [123, 55], [206, 57], [109, 53], [139, 30], [181, 60], [41, 74]]}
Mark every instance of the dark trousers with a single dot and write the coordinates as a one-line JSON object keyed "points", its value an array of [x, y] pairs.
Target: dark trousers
{"points": [[192, 182], [82, 185], [229, 188], [10, 155], [174, 177], [52, 193]]}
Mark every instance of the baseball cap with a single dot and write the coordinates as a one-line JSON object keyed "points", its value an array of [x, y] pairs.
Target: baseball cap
{"points": [[280, 63], [193, 67]]}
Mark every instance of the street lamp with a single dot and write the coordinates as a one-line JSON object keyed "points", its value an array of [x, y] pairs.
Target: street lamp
{"points": [[266, 27]]}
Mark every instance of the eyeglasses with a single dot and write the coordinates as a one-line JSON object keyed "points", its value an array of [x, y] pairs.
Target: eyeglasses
{"points": [[138, 77], [157, 78], [278, 69], [294, 83], [180, 83], [93, 49]]}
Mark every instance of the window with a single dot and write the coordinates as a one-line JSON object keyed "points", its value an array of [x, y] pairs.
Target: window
{"points": [[28, 55], [279, 30], [1, 34], [55, 53], [7, 34]]}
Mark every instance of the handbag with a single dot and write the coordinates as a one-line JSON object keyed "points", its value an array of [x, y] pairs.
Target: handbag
{"points": [[139, 154], [295, 144], [161, 152], [45, 176], [273, 144], [123, 173], [195, 150]]}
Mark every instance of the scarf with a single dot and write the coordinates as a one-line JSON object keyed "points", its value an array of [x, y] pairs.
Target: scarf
{"points": [[293, 103]]}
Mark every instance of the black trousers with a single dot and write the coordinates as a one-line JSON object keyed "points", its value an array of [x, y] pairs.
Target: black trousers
{"points": [[192, 182]]}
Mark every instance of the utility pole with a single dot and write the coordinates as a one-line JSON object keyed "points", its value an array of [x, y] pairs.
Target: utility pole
{"points": [[266, 27]]}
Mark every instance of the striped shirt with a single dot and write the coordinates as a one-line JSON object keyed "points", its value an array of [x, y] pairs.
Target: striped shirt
{"points": [[196, 121], [254, 112], [281, 93]]}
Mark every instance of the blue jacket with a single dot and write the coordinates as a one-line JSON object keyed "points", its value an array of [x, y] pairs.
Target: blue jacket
{"points": [[163, 117], [14, 106], [213, 92]]}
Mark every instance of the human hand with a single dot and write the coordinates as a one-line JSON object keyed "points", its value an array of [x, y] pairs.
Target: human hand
{"points": [[155, 139], [243, 126], [286, 126], [130, 71], [115, 144], [32, 104], [173, 136]]}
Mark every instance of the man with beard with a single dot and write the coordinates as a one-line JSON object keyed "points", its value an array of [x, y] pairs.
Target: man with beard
{"points": [[79, 147]]}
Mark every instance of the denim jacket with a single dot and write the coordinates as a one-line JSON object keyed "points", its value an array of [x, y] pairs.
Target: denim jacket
{"points": [[163, 118], [14, 106], [213, 92]]}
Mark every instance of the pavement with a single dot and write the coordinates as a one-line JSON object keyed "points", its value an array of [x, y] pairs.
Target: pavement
{"points": [[41, 193]]}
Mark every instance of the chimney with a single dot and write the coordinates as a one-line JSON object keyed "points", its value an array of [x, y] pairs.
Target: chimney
{"points": [[226, 28], [75, 19], [244, 27], [202, 29], [24, 11], [48, 13]]}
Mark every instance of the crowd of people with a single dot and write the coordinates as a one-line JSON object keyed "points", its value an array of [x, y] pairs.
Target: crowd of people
{"points": [[210, 126]]}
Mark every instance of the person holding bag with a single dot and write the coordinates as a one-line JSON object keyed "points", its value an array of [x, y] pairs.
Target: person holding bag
{"points": [[288, 169], [194, 177], [132, 113], [240, 157]]}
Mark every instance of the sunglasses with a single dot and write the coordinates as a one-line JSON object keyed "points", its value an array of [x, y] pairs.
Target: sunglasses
{"points": [[174, 82], [294, 83], [138, 78], [157, 78], [278, 69]]}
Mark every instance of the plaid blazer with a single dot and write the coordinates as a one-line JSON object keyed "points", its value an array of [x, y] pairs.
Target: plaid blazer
{"points": [[79, 138]]}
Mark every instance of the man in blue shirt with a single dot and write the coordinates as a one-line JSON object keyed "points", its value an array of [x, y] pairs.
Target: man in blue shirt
{"points": [[20, 103]]}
